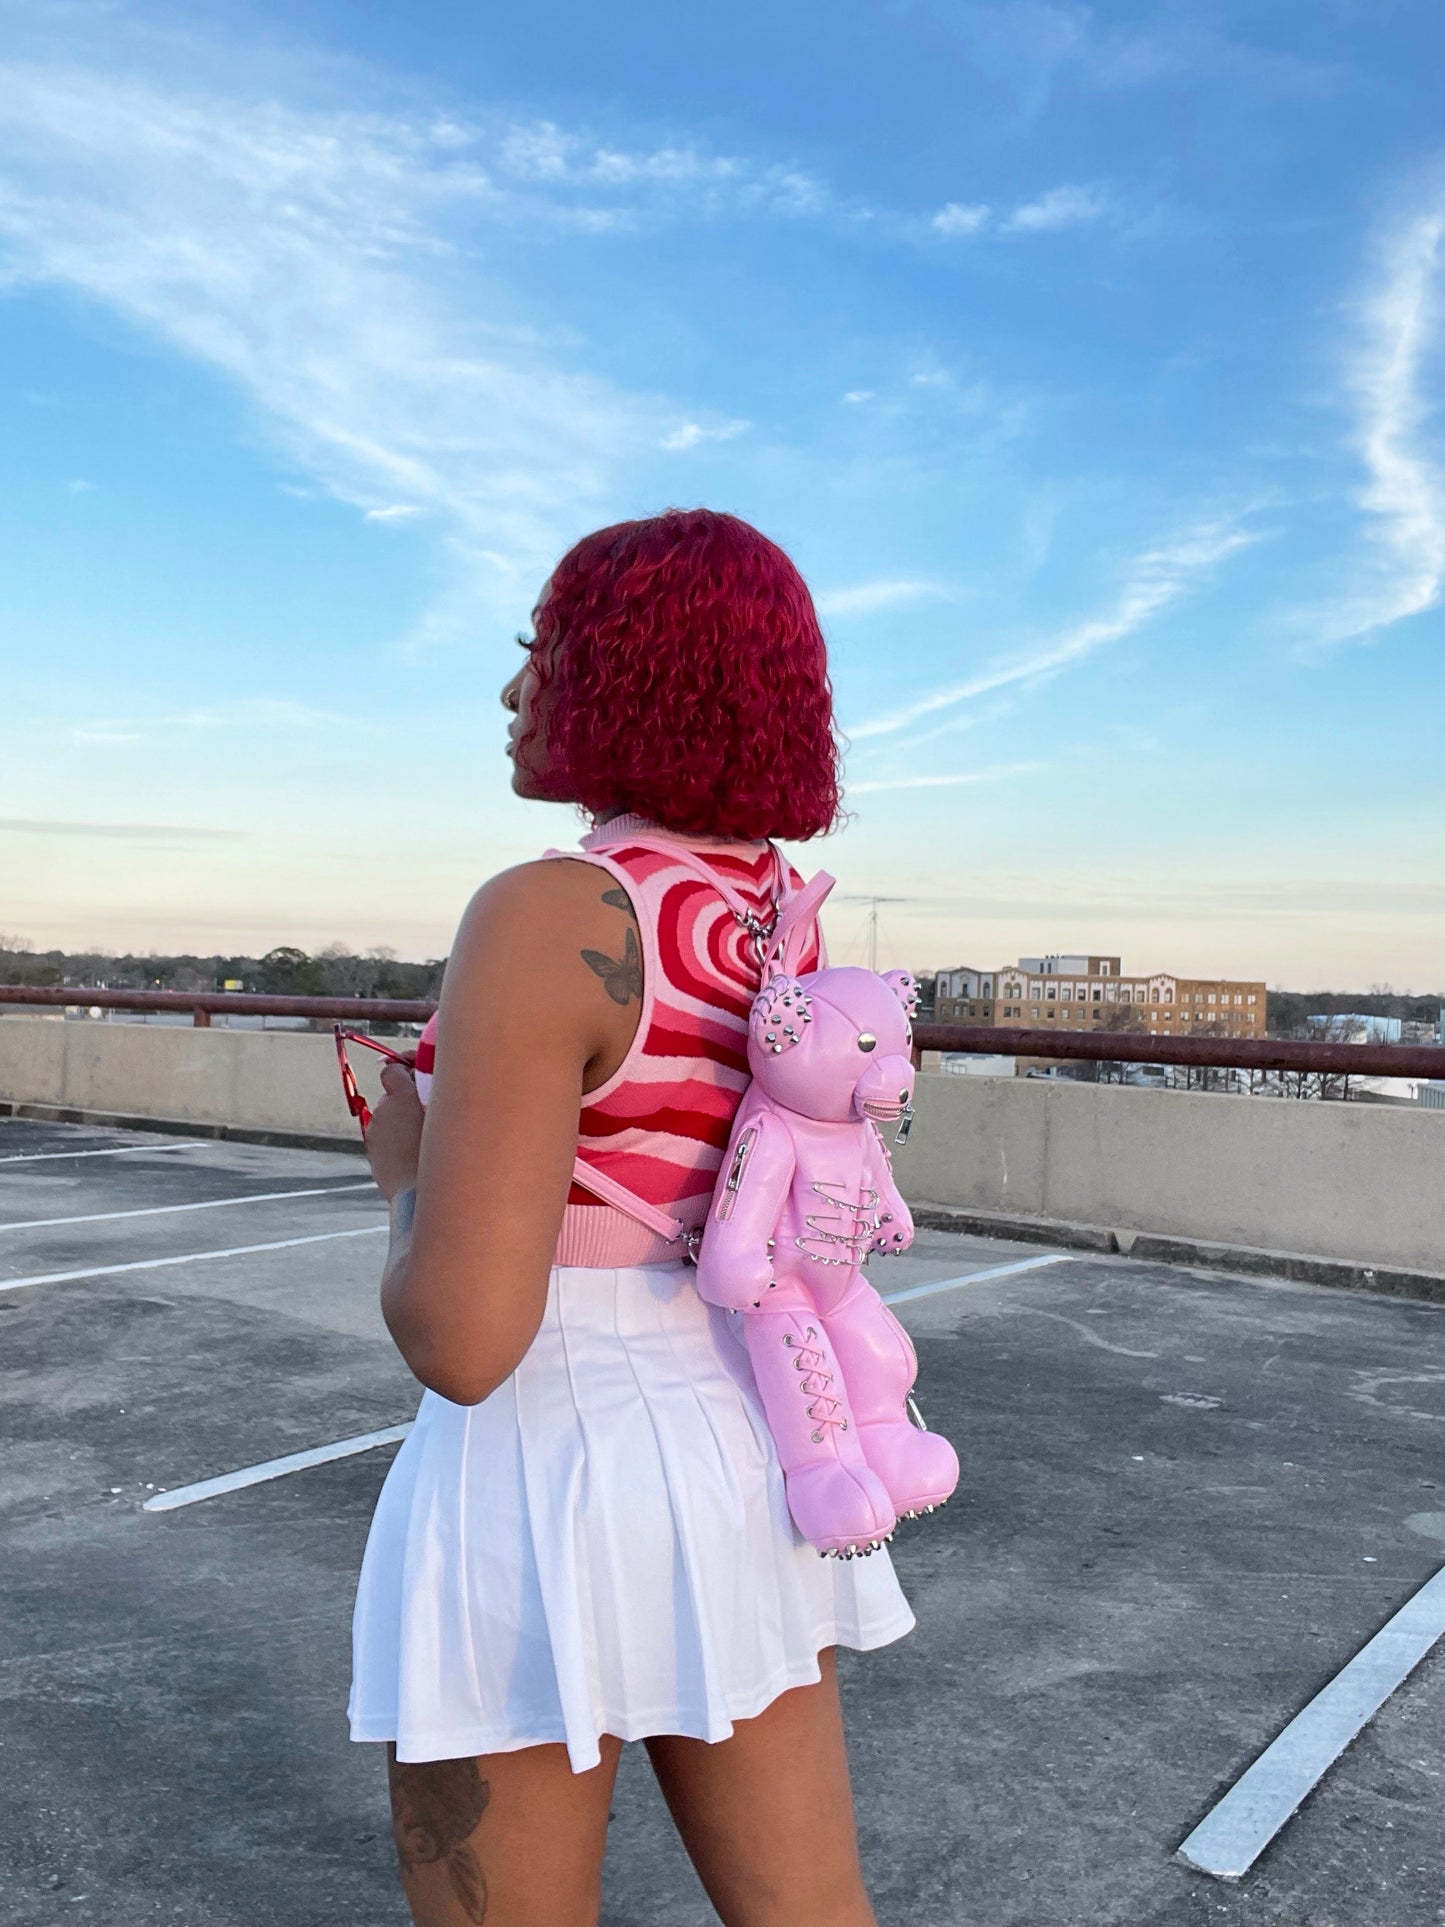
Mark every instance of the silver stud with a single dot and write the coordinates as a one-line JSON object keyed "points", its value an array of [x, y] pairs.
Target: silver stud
{"points": [[777, 1048]]}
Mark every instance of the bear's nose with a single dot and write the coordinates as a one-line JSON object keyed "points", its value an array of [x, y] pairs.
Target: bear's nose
{"points": [[903, 1097]]}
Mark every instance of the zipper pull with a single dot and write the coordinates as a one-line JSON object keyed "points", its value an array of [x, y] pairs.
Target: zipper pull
{"points": [[740, 1158]]}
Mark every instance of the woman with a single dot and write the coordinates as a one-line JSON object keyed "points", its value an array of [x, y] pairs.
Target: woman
{"points": [[585, 1539]]}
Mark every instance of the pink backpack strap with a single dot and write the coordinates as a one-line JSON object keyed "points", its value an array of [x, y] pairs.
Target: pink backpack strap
{"points": [[690, 860], [611, 1192], [790, 932], [779, 947]]}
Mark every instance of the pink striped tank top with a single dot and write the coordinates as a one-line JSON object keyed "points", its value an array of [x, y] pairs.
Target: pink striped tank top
{"points": [[660, 1123]]}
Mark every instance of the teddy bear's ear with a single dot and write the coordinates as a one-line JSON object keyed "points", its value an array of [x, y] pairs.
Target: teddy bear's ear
{"points": [[904, 986], [780, 1014]]}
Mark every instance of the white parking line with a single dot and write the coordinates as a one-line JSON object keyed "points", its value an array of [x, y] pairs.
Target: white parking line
{"points": [[273, 1469], [1232, 1835], [345, 1448], [207, 1204], [978, 1277], [111, 1151], [187, 1258]]}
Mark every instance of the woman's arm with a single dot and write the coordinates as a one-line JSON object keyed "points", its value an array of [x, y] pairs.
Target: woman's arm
{"points": [[541, 1000]]}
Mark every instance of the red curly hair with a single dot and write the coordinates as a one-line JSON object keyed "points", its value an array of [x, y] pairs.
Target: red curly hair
{"points": [[683, 675]]}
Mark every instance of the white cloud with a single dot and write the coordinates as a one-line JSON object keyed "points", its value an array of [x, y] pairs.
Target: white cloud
{"points": [[960, 217], [543, 154], [1155, 579], [144, 832], [860, 394], [251, 714], [542, 151], [689, 434], [1029, 47], [865, 598], [294, 253], [995, 775], [1061, 207], [1404, 497], [80, 487], [396, 512]]}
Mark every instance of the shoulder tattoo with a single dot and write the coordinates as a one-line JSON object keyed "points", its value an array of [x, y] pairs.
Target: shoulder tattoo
{"points": [[621, 976]]}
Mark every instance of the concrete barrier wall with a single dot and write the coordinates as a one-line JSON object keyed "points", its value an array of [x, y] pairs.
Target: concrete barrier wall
{"points": [[1357, 1182], [267, 1080], [1362, 1183]]}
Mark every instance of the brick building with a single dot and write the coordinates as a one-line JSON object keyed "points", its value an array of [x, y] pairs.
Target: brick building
{"points": [[1086, 993]]}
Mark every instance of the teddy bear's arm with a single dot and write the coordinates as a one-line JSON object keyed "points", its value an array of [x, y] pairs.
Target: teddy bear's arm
{"points": [[895, 1227], [735, 1262]]}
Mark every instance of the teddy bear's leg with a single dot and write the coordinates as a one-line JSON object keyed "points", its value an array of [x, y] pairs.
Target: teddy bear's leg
{"points": [[838, 1503], [875, 1358]]}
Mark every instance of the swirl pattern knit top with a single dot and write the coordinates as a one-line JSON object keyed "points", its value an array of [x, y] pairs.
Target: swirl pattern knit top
{"points": [[660, 1123]]}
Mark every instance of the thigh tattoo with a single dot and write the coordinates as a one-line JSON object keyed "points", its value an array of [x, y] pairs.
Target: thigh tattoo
{"points": [[436, 1807]]}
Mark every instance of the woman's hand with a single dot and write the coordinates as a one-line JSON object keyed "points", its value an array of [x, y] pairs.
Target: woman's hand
{"points": [[393, 1137]]}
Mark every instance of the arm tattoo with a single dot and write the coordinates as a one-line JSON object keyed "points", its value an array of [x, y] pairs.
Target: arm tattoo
{"points": [[403, 1216], [619, 900], [621, 977], [436, 1808]]}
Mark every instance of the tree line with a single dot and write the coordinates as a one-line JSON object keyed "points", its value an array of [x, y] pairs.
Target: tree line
{"points": [[283, 972]]}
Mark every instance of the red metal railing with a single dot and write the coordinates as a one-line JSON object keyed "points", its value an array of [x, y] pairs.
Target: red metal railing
{"points": [[1112, 1047], [203, 1004], [1221, 1053]]}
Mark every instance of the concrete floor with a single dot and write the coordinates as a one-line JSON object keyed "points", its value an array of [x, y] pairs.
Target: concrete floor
{"points": [[1188, 1500]]}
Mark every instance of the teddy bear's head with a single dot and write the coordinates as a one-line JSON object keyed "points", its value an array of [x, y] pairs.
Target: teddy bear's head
{"points": [[834, 1044]]}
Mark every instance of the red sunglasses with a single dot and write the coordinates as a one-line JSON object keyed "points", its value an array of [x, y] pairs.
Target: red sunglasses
{"points": [[355, 1102]]}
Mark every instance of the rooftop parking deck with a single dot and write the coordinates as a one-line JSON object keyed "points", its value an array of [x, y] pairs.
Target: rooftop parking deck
{"points": [[1188, 1500]]}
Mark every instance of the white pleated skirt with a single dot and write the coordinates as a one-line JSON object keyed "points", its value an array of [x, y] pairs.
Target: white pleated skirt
{"points": [[601, 1546]]}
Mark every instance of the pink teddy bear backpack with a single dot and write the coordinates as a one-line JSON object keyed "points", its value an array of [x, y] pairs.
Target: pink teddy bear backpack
{"points": [[805, 1194]]}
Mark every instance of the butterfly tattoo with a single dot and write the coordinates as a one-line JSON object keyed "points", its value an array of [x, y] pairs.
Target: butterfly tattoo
{"points": [[621, 977]]}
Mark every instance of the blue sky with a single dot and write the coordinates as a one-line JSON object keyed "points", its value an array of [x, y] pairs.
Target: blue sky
{"points": [[1085, 358]]}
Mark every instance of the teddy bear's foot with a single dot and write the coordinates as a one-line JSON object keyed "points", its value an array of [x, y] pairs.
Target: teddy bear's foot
{"points": [[841, 1509], [918, 1469]]}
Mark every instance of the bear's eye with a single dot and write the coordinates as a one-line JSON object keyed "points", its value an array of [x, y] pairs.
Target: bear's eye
{"points": [[867, 1041]]}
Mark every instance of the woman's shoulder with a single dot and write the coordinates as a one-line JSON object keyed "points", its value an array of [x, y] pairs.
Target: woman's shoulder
{"points": [[550, 936], [545, 894]]}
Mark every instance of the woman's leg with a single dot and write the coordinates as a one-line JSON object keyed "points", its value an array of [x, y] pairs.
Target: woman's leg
{"points": [[767, 1816], [509, 1839]]}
